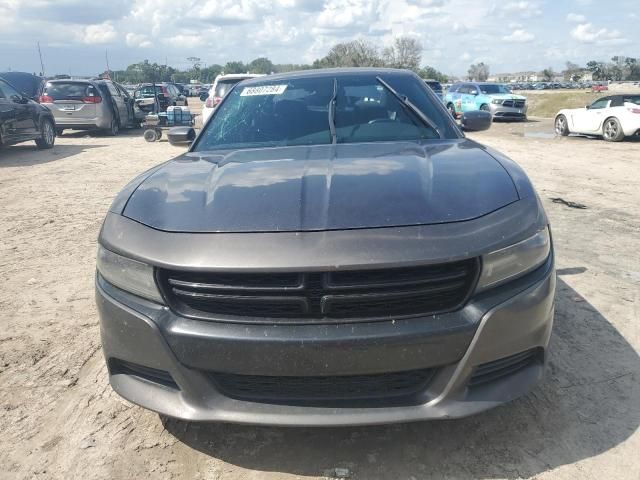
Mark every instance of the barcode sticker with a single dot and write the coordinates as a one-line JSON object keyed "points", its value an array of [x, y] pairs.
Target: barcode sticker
{"points": [[263, 90]]}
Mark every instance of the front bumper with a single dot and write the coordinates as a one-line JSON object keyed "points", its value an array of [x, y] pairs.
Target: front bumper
{"points": [[500, 111], [494, 325]]}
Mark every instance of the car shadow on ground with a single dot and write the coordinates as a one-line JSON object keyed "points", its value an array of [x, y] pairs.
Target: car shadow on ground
{"points": [[588, 404], [26, 154]]}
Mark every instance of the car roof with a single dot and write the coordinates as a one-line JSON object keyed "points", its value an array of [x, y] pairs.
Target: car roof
{"points": [[331, 72], [67, 80], [239, 75]]}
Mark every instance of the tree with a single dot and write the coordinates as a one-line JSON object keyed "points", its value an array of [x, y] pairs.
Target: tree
{"points": [[406, 52], [573, 71], [430, 72], [479, 72], [598, 69], [235, 67], [548, 74], [261, 65], [633, 68], [357, 53]]}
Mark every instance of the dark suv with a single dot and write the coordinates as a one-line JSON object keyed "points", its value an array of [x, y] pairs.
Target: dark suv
{"points": [[331, 250], [22, 119]]}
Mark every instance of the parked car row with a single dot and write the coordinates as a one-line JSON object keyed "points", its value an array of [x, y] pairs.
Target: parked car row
{"points": [[557, 85]]}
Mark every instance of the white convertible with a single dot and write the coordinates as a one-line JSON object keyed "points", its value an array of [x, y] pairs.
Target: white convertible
{"points": [[613, 117]]}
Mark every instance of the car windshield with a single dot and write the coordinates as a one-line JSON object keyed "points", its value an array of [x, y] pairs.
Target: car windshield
{"points": [[296, 112], [223, 86], [492, 89]]}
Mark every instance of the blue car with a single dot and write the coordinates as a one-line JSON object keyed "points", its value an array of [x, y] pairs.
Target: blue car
{"points": [[490, 97]]}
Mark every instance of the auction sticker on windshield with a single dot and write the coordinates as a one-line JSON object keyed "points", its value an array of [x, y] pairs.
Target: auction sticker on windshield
{"points": [[263, 90]]}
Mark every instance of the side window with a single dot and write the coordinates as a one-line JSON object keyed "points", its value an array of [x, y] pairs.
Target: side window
{"points": [[10, 92], [463, 89], [598, 104]]}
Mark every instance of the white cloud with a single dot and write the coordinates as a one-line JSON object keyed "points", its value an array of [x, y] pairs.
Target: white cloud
{"points": [[519, 36], [523, 8], [138, 40], [576, 17], [100, 33], [587, 33]]}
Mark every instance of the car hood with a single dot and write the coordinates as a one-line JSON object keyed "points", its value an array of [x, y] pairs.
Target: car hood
{"points": [[323, 188]]}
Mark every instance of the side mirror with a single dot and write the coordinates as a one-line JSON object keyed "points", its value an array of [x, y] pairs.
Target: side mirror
{"points": [[476, 121], [181, 136]]}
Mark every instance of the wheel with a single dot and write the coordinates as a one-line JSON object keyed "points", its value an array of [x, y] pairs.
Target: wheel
{"points": [[158, 134], [612, 130], [562, 127], [452, 110], [113, 130], [150, 135], [47, 135], [59, 132], [484, 107]]}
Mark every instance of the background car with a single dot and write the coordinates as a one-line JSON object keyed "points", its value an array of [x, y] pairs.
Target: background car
{"points": [[26, 83], [614, 118], [436, 87], [167, 94], [491, 97], [88, 104], [22, 119], [220, 87]]}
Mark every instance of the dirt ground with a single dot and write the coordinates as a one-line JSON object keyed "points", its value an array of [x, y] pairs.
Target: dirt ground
{"points": [[60, 419]]}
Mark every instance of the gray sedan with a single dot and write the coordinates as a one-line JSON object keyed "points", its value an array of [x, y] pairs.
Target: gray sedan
{"points": [[331, 250]]}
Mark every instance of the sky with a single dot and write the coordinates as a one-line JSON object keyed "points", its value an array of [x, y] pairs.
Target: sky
{"points": [[509, 35]]}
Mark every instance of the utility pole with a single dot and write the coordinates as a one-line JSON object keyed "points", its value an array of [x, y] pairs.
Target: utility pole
{"points": [[106, 56], [41, 62]]}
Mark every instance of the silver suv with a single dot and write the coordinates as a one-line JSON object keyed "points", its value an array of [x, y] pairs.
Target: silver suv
{"points": [[88, 104]]}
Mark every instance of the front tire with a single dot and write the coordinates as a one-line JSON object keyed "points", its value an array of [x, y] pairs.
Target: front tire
{"points": [[47, 135], [612, 130], [484, 107], [561, 126]]}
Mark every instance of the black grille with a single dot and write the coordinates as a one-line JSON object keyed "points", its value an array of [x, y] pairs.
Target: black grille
{"points": [[340, 295], [513, 103], [387, 388], [488, 372]]}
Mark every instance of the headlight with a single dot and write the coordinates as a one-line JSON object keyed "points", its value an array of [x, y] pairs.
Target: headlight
{"points": [[129, 275], [497, 101], [515, 261]]}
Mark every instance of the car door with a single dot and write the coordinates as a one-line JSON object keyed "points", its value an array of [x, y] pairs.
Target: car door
{"points": [[20, 115], [119, 103], [128, 101], [469, 97], [590, 120]]}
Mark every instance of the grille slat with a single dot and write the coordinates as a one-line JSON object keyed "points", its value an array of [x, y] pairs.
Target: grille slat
{"points": [[313, 296], [503, 367], [305, 390]]}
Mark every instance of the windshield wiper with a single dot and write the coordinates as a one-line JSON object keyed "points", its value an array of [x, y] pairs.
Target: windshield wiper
{"points": [[332, 113], [404, 100]]}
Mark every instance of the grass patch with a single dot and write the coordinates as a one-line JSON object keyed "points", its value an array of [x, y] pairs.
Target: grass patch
{"points": [[546, 105]]}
